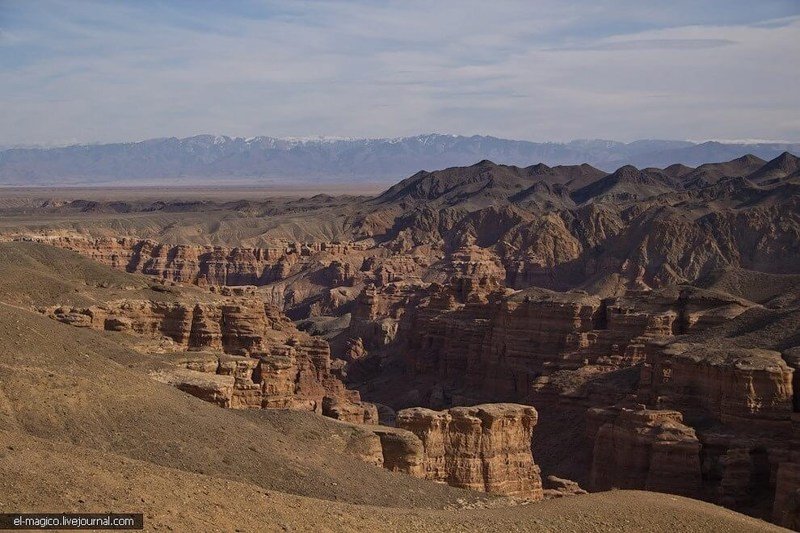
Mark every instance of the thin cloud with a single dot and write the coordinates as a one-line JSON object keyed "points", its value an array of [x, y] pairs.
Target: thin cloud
{"points": [[653, 44], [99, 71]]}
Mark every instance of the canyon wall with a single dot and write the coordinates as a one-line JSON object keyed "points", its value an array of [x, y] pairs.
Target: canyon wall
{"points": [[739, 387], [484, 447], [644, 449], [786, 509], [712, 419], [205, 265], [262, 360], [499, 348], [715, 422]]}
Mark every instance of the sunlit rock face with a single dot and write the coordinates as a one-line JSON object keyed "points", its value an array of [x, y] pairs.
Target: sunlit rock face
{"points": [[270, 362], [485, 447]]}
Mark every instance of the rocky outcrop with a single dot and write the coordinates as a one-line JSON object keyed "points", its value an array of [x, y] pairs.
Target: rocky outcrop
{"points": [[717, 425], [378, 314], [264, 361], [445, 337], [402, 451], [786, 507], [556, 487], [269, 381], [532, 332], [741, 471], [473, 273], [348, 411], [786, 511], [499, 349], [236, 325], [741, 387], [644, 449], [741, 402], [484, 447], [212, 265], [392, 300], [209, 387]]}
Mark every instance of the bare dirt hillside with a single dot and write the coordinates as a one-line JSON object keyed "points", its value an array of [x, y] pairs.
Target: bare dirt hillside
{"points": [[37, 473], [75, 386]]}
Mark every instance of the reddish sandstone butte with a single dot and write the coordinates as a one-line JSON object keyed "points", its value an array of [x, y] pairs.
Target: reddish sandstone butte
{"points": [[484, 447]]}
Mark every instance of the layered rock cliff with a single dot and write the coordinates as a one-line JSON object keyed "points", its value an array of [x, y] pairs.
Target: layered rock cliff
{"points": [[740, 387], [240, 353], [644, 449], [207, 265], [499, 349], [716, 424], [564, 288], [484, 447], [263, 361], [786, 507], [715, 414]]}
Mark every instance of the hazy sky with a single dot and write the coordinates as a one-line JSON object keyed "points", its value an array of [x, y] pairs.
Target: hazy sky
{"points": [[82, 71]]}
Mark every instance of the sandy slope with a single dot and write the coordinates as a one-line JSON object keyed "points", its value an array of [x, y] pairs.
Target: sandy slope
{"points": [[38, 475]]}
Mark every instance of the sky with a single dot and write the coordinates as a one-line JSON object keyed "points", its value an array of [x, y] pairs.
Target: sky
{"points": [[75, 71]]}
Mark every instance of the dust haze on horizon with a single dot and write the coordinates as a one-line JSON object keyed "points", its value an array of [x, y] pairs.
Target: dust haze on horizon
{"points": [[96, 72]]}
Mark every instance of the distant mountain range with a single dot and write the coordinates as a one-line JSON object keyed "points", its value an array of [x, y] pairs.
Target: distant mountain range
{"points": [[207, 159]]}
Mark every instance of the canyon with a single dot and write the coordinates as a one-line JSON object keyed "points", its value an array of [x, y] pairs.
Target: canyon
{"points": [[352, 326], [240, 353], [526, 332]]}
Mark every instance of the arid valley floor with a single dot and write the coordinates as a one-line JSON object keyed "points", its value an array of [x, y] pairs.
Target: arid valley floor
{"points": [[487, 348]]}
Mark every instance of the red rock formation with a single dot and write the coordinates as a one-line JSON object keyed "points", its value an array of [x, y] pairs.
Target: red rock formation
{"points": [[346, 411], [388, 301], [738, 469], [556, 487], [533, 331], [786, 511], [498, 350], [211, 265], [403, 268], [485, 447], [741, 387], [445, 342], [213, 388], [271, 362], [786, 507], [379, 311], [474, 273], [742, 402], [402, 451], [354, 349], [644, 449]]}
